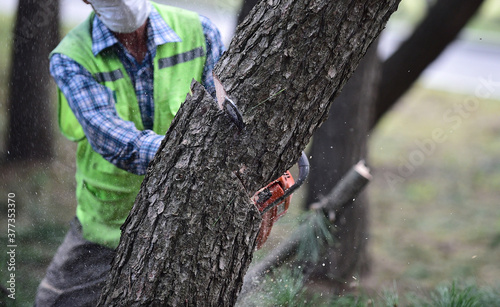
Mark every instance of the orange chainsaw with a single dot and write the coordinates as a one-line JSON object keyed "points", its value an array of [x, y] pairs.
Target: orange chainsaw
{"points": [[274, 199]]}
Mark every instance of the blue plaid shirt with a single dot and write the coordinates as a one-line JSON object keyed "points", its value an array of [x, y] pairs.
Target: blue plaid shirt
{"points": [[117, 140]]}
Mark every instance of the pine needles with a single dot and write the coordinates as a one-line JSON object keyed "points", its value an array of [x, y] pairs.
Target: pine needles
{"points": [[317, 236]]}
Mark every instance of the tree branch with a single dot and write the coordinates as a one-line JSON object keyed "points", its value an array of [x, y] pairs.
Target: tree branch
{"points": [[345, 191], [440, 27]]}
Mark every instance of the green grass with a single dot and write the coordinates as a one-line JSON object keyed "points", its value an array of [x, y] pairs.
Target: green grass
{"points": [[445, 211], [286, 288]]}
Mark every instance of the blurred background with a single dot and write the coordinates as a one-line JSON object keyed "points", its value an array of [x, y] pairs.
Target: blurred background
{"points": [[433, 211]]}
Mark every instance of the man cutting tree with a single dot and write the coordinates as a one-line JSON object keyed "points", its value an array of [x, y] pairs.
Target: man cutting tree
{"points": [[122, 75]]}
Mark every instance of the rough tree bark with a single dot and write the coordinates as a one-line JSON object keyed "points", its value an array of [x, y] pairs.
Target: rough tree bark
{"points": [[36, 33], [191, 234], [440, 27]]}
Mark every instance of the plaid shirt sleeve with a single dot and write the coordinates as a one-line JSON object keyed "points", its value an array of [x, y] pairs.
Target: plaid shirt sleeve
{"points": [[215, 48], [117, 140]]}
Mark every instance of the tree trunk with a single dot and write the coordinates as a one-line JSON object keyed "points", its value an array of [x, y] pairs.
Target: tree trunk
{"points": [[36, 33], [191, 234], [338, 144], [440, 27]]}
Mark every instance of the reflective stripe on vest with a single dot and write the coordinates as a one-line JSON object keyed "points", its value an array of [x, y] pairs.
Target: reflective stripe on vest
{"points": [[181, 58], [109, 76]]}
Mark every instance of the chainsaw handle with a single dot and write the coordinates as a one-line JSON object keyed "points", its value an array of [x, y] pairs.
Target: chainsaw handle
{"points": [[303, 165]]}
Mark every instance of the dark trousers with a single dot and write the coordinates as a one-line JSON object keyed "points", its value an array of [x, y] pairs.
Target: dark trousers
{"points": [[77, 273]]}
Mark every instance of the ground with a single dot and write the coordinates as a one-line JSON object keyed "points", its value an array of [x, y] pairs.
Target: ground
{"points": [[439, 219], [434, 214]]}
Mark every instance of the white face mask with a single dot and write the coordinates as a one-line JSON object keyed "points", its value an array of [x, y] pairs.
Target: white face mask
{"points": [[122, 16]]}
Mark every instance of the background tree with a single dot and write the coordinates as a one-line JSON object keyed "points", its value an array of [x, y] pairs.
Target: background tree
{"points": [[438, 29], [191, 234], [337, 145], [36, 33], [341, 141]]}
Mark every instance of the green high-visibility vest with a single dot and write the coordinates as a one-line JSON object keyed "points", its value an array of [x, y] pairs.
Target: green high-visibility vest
{"points": [[105, 194]]}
